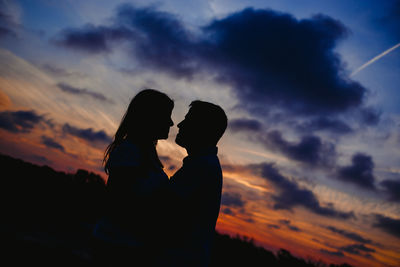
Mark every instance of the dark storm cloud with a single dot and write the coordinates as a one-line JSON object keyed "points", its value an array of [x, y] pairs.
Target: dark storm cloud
{"points": [[232, 199], [51, 143], [161, 41], [391, 20], [171, 167], [167, 161], [83, 92], [291, 195], [274, 59], [294, 228], [273, 226], [8, 21], [289, 225], [91, 39], [333, 253], [350, 235], [6, 32], [360, 172], [357, 249], [370, 116], [310, 149], [20, 121], [392, 189], [87, 134], [325, 124], [228, 211], [387, 224], [270, 59], [165, 158], [238, 125], [158, 39]]}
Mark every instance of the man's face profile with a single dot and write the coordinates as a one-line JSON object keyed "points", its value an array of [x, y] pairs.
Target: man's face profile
{"points": [[187, 130]]}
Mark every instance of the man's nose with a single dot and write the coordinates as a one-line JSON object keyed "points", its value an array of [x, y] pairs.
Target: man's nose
{"points": [[179, 124], [171, 122]]}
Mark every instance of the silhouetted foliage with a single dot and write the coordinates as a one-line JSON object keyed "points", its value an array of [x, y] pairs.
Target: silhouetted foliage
{"points": [[239, 251], [47, 219], [38, 195]]}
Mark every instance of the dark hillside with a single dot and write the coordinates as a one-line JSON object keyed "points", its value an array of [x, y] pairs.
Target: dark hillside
{"points": [[47, 218]]}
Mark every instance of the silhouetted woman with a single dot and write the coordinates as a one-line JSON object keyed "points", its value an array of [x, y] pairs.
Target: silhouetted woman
{"points": [[137, 185]]}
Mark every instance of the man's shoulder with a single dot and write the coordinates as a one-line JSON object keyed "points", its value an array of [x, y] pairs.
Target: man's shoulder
{"points": [[201, 167], [205, 162]]}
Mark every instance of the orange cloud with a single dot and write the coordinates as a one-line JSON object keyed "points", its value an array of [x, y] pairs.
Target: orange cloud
{"points": [[300, 231], [5, 101]]}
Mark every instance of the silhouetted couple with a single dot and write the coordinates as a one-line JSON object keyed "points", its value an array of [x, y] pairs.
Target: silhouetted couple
{"points": [[152, 220]]}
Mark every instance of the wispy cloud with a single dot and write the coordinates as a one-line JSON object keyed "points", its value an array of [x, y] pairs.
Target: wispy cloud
{"points": [[392, 189], [61, 72], [348, 234], [232, 199], [83, 92], [336, 253], [325, 124], [251, 125], [87, 134], [374, 59], [310, 149], [9, 19], [290, 195], [289, 225], [51, 143], [358, 249]]}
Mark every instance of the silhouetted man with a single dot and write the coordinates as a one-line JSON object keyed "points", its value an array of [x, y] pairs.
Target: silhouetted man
{"points": [[197, 185]]}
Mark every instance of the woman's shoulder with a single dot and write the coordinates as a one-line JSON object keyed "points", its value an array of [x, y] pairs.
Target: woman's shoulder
{"points": [[126, 154]]}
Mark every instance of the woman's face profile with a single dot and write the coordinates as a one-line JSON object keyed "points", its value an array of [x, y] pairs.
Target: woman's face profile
{"points": [[162, 124]]}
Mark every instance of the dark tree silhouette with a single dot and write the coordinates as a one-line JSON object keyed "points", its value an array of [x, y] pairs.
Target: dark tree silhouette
{"points": [[47, 218]]}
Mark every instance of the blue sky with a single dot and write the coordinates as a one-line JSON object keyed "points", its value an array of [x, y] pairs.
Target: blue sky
{"points": [[307, 141], [372, 28]]}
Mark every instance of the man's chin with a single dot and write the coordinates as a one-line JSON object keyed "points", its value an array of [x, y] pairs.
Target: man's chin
{"points": [[179, 142]]}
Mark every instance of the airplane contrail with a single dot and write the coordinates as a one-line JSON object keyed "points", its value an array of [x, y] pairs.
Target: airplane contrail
{"points": [[374, 59]]}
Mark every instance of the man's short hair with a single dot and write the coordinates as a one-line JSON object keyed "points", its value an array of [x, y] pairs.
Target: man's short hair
{"points": [[211, 115]]}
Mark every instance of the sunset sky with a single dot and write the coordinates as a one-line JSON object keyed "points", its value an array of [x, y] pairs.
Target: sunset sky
{"points": [[311, 156]]}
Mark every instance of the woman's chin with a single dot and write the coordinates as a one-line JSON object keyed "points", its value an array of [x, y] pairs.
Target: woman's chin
{"points": [[163, 136]]}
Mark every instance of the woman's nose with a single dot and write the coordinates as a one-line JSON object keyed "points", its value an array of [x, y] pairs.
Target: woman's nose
{"points": [[171, 122]]}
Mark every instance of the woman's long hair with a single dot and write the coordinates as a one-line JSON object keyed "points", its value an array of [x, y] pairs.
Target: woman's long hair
{"points": [[140, 111]]}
